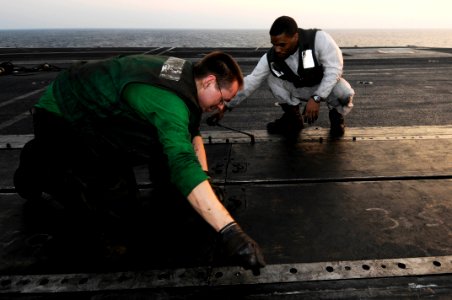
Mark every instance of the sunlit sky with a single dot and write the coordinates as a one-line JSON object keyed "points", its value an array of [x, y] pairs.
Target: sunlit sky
{"points": [[224, 14]]}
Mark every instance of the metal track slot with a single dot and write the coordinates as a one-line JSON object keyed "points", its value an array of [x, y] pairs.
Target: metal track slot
{"points": [[226, 276]]}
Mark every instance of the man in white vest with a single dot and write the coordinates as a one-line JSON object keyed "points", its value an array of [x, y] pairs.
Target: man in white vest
{"points": [[303, 66]]}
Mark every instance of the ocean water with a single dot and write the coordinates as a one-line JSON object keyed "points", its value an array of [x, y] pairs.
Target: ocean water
{"points": [[53, 38]]}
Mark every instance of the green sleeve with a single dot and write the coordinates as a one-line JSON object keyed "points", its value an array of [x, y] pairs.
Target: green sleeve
{"points": [[48, 102], [169, 114]]}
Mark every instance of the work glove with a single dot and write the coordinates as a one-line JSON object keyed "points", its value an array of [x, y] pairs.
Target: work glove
{"points": [[217, 116], [214, 119], [240, 247]]}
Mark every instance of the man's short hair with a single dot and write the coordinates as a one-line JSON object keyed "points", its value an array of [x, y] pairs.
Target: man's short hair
{"points": [[285, 25], [222, 65]]}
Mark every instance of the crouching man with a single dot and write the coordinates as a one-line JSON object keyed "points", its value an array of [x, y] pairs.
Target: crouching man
{"points": [[98, 120]]}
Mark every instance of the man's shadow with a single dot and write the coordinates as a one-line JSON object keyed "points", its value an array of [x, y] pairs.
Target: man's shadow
{"points": [[163, 231]]}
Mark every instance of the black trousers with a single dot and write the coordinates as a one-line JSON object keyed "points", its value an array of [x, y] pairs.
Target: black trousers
{"points": [[88, 164]]}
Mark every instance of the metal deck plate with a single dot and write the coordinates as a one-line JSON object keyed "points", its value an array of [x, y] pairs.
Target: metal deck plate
{"points": [[226, 276], [379, 154], [367, 215], [315, 222]]}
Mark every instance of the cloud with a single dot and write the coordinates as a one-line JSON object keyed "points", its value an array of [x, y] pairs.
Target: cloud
{"points": [[224, 13]]}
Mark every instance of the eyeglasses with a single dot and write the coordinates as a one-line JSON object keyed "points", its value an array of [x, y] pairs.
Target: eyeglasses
{"points": [[222, 99]]}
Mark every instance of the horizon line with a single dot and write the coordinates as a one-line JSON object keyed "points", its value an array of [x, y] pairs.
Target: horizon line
{"points": [[211, 29]]}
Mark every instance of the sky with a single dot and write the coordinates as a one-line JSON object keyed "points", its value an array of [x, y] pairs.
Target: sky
{"points": [[224, 14]]}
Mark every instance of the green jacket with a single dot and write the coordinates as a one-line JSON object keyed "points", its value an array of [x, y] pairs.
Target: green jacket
{"points": [[160, 90], [97, 87]]}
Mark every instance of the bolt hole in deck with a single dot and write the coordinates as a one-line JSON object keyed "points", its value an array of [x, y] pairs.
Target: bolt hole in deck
{"points": [[437, 263], [401, 265], [5, 282]]}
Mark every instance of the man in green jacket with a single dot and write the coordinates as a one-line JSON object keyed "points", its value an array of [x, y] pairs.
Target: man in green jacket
{"points": [[98, 120]]}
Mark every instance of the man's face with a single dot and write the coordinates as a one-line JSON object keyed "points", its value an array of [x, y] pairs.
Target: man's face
{"points": [[212, 96], [284, 45]]}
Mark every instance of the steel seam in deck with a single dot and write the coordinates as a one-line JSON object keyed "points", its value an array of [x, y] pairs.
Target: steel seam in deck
{"points": [[226, 276], [286, 181], [313, 134], [231, 182]]}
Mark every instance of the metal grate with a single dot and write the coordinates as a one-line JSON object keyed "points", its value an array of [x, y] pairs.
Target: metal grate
{"points": [[226, 276]]}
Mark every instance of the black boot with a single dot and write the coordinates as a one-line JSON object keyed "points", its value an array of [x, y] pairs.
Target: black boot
{"points": [[290, 123], [337, 123], [25, 186], [27, 177]]}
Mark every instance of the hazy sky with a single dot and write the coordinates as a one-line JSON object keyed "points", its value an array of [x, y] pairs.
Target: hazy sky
{"points": [[205, 14]]}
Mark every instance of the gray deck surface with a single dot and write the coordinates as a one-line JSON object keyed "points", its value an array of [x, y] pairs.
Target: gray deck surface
{"points": [[376, 198]]}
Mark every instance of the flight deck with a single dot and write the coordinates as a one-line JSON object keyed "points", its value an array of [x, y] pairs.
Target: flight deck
{"points": [[367, 215]]}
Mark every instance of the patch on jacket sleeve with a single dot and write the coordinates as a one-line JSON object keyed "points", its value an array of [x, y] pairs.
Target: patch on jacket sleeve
{"points": [[172, 68]]}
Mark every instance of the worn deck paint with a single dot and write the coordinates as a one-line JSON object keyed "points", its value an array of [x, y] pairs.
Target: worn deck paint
{"points": [[323, 210]]}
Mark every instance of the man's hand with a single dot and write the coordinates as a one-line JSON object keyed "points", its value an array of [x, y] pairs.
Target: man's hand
{"points": [[311, 111], [238, 245], [216, 117]]}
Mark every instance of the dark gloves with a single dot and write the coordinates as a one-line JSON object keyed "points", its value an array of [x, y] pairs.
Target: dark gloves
{"points": [[216, 117], [213, 119], [239, 246]]}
